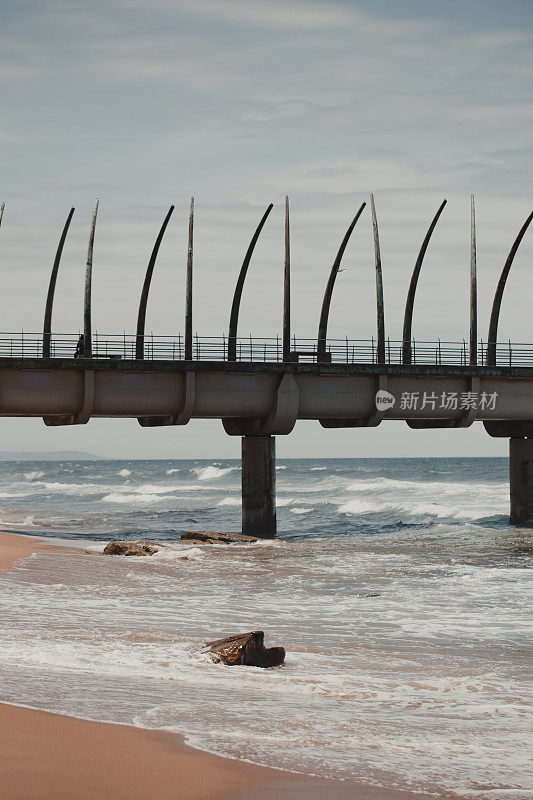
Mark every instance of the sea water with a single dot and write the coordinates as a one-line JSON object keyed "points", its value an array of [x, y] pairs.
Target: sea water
{"points": [[397, 586]]}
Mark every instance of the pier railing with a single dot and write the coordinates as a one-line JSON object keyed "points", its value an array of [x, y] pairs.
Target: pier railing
{"points": [[212, 348]]}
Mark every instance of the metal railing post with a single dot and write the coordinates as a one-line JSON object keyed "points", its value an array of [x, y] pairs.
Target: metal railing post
{"points": [[265, 350]]}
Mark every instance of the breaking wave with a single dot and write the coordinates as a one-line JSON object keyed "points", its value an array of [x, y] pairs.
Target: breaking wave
{"points": [[132, 499], [33, 476], [212, 473]]}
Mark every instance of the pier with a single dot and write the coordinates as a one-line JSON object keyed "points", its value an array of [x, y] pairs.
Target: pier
{"points": [[260, 388]]}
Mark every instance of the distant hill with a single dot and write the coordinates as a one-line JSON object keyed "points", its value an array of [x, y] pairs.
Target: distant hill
{"points": [[56, 455]]}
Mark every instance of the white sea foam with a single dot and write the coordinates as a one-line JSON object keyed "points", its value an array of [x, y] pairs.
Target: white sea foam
{"points": [[418, 498], [360, 506], [27, 522], [212, 473], [393, 506], [426, 487], [230, 501], [284, 501], [300, 510], [14, 493], [173, 471], [138, 498], [170, 554], [152, 488], [124, 473], [33, 476], [72, 488]]}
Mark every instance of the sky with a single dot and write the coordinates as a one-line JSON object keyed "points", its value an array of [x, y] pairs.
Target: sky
{"points": [[239, 102]]}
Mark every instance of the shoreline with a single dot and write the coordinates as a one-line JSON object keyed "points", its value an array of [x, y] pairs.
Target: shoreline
{"points": [[17, 546], [73, 757]]}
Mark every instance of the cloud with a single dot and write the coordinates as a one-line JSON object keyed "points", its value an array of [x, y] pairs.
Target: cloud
{"points": [[274, 14]]}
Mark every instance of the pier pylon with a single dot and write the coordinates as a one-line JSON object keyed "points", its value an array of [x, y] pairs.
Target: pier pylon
{"points": [[521, 480], [259, 486]]}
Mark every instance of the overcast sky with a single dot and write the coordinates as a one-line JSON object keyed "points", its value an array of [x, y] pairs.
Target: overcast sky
{"points": [[146, 102]]}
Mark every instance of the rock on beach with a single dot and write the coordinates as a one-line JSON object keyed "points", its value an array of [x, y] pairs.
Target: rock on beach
{"points": [[130, 549], [246, 649]]}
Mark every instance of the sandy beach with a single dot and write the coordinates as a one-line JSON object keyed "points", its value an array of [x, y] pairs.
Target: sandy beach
{"points": [[46, 755], [14, 548]]}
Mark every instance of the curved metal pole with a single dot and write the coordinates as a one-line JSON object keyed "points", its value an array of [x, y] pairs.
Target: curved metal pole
{"points": [[141, 317], [379, 287], [87, 332], [287, 288], [188, 289], [326, 302], [234, 317], [473, 285], [495, 314], [409, 303], [47, 326]]}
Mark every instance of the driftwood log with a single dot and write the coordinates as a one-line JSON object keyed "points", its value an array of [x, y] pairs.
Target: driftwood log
{"points": [[130, 549], [246, 649], [215, 538]]}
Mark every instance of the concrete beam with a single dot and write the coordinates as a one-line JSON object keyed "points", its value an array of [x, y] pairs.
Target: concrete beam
{"points": [[521, 480], [255, 401], [259, 486]]}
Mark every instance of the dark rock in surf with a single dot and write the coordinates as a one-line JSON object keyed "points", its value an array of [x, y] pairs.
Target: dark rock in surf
{"points": [[130, 549], [217, 538], [246, 649]]}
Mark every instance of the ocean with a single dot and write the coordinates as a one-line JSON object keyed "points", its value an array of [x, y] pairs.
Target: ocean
{"points": [[397, 586]]}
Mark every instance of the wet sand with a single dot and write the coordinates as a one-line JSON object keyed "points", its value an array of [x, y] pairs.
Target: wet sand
{"points": [[13, 548], [46, 756]]}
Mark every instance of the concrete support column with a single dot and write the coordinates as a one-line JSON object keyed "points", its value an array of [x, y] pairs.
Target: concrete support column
{"points": [[259, 486], [521, 480]]}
